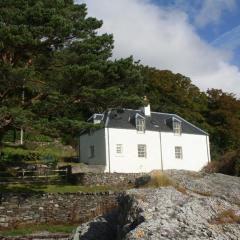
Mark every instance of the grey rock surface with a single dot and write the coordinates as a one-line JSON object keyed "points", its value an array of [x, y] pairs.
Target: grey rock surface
{"points": [[169, 213], [216, 184]]}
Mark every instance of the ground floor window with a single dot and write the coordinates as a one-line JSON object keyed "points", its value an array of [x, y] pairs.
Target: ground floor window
{"points": [[142, 150], [178, 152], [119, 148]]}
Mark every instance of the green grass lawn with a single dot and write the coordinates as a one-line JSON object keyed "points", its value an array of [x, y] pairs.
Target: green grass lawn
{"points": [[32, 229], [58, 188]]}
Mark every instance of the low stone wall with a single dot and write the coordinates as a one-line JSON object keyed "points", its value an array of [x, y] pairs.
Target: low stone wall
{"points": [[107, 179], [53, 208]]}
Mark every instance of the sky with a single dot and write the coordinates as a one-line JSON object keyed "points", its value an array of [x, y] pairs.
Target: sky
{"points": [[197, 38]]}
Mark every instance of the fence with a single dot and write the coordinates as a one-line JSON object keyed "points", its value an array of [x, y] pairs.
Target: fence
{"points": [[35, 176]]}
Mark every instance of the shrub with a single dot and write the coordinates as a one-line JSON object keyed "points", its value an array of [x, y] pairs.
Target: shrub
{"points": [[229, 164], [14, 135], [16, 154], [47, 154], [225, 217], [156, 179]]}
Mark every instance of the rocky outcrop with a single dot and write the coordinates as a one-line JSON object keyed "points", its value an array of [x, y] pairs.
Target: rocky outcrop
{"points": [[170, 214], [204, 207]]}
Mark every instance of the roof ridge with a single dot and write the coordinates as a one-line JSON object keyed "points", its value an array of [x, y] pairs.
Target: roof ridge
{"points": [[163, 113], [129, 109]]}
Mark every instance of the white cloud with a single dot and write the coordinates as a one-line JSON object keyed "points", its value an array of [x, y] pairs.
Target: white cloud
{"points": [[205, 12], [211, 11], [165, 39]]}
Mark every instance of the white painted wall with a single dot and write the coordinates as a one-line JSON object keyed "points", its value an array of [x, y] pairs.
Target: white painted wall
{"points": [[97, 139], [194, 147], [129, 161], [195, 150]]}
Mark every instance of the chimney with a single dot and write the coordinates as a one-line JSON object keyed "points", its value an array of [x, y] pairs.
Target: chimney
{"points": [[146, 108]]}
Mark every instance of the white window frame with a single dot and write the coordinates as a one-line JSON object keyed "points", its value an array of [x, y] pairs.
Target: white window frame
{"points": [[178, 152], [142, 150], [177, 128], [140, 124], [119, 149], [91, 151]]}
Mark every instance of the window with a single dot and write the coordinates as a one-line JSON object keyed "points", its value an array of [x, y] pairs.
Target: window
{"points": [[91, 151], [142, 150], [140, 124], [178, 152], [177, 128], [119, 148]]}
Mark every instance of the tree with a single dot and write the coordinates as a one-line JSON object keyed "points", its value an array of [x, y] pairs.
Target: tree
{"points": [[32, 34], [224, 116], [175, 93]]}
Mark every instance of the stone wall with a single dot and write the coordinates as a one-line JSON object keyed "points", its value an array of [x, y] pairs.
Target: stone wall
{"points": [[107, 179], [53, 208]]}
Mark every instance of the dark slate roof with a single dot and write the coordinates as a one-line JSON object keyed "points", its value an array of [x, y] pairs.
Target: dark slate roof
{"points": [[125, 119]]}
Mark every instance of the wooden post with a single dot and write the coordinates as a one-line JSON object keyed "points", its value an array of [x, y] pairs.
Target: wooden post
{"points": [[23, 99]]}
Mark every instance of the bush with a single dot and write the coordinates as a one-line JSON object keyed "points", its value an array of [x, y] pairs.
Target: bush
{"points": [[17, 154], [228, 164], [227, 216], [29, 152], [156, 179], [13, 135]]}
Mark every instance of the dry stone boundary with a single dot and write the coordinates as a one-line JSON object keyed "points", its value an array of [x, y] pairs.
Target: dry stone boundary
{"points": [[24, 209]]}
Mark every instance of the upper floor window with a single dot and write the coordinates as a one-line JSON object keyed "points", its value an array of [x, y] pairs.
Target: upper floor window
{"points": [[119, 148], [177, 128], [91, 151], [178, 152], [142, 150], [140, 124]]}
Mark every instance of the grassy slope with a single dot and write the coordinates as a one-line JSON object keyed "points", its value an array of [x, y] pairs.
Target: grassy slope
{"points": [[31, 229], [60, 188]]}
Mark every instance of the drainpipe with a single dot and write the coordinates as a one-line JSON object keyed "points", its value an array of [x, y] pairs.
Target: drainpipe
{"points": [[208, 153], [160, 138], [109, 168]]}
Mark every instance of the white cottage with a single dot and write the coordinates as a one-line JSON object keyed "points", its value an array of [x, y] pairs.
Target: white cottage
{"points": [[135, 141]]}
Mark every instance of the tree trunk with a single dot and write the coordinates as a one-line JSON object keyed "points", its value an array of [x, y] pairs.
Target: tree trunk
{"points": [[1, 143], [14, 135]]}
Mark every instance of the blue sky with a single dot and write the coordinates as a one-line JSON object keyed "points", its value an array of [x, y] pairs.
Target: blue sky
{"points": [[197, 38], [222, 31]]}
